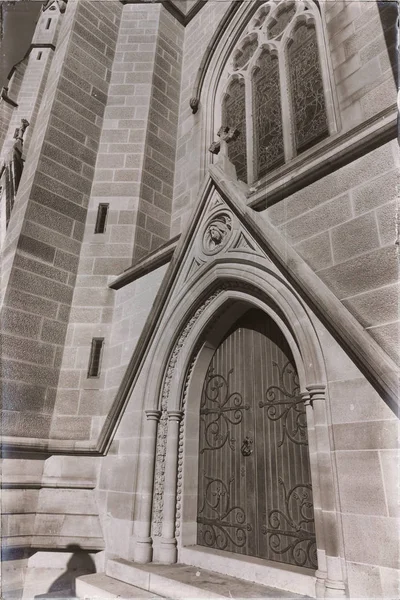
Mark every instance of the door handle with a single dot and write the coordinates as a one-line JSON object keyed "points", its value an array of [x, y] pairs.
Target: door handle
{"points": [[247, 446]]}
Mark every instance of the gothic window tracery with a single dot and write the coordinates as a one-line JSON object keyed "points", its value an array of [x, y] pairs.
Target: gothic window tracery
{"points": [[267, 115], [274, 86], [308, 101]]}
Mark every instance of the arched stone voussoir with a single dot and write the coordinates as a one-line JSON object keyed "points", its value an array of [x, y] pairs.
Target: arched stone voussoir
{"points": [[203, 311]]}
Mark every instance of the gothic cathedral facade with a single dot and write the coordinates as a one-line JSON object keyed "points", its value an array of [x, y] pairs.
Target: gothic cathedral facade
{"points": [[199, 319]]}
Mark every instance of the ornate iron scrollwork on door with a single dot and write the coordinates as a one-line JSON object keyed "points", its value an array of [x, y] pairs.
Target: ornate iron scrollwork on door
{"points": [[242, 482], [289, 533], [226, 409], [220, 523], [284, 403]]}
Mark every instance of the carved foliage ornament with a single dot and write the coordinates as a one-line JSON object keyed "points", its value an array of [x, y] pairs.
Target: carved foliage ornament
{"points": [[162, 431]]}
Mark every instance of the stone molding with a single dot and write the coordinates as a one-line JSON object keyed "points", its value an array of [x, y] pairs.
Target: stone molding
{"points": [[329, 578], [150, 263], [364, 351], [369, 357], [4, 96], [330, 155], [182, 17], [194, 101]]}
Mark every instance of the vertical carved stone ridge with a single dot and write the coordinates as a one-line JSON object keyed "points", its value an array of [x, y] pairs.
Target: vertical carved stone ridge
{"points": [[167, 552], [159, 477], [181, 444], [159, 474], [334, 583]]}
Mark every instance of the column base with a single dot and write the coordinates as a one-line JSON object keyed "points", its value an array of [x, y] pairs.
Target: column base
{"points": [[320, 583], [335, 589], [167, 552], [143, 550]]}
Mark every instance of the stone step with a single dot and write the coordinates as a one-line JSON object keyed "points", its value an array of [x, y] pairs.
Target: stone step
{"points": [[101, 586], [183, 582]]}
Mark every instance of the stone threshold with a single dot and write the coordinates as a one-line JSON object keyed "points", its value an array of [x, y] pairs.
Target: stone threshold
{"points": [[100, 585], [124, 579]]}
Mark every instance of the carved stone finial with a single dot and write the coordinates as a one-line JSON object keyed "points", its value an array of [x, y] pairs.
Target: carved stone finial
{"points": [[215, 148], [194, 104], [226, 135]]}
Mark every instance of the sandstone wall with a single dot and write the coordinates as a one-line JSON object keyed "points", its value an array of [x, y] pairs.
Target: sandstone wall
{"points": [[133, 175], [344, 226], [46, 229]]}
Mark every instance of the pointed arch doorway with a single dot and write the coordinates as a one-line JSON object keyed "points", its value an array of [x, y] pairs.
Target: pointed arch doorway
{"points": [[254, 480]]}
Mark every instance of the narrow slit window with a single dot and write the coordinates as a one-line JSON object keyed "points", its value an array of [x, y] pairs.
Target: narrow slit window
{"points": [[101, 218], [39, 55], [95, 357], [48, 23]]}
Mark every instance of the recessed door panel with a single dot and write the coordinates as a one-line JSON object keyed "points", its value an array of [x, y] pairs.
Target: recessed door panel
{"points": [[255, 495]]}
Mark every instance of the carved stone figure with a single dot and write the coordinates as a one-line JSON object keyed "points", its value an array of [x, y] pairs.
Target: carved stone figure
{"points": [[216, 233]]}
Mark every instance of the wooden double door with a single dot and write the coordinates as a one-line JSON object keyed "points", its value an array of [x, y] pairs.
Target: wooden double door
{"points": [[255, 495]]}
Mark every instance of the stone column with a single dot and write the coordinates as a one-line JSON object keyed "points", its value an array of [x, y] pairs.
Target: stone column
{"points": [[321, 573], [143, 548], [335, 586], [167, 549]]}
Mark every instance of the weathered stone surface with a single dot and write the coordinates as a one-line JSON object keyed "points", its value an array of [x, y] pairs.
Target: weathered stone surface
{"points": [[362, 273], [354, 237], [375, 544], [363, 494]]}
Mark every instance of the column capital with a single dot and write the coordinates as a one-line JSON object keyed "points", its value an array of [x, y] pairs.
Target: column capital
{"points": [[153, 415], [175, 415], [316, 392], [306, 398]]}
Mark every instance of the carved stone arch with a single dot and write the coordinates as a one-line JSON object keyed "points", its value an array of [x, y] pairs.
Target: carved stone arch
{"points": [[269, 47], [234, 77], [272, 26], [242, 55], [261, 15], [221, 275], [224, 291], [307, 19]]}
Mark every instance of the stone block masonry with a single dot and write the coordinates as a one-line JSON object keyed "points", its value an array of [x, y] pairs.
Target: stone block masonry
{"points": [[344, 226], [156, 193], [46, 229], [134, 175]]}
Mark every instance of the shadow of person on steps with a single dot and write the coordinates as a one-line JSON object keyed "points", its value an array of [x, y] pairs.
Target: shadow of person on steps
{"points": [[80, 563]]}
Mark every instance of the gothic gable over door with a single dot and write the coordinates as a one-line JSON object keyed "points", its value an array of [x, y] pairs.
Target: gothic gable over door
{"points": [[255, 495]]}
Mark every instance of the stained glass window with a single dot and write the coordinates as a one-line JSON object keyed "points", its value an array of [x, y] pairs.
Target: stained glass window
{"points": [[234, 115], [243, 55], [280, 95], [281, 20], [267, 115], [307, 92], [260, 17]]}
